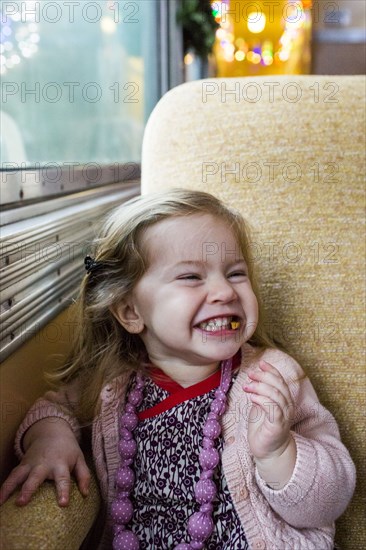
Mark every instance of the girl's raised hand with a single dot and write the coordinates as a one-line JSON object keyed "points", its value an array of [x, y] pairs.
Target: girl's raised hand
{"points": [[270, 417], [52, 452]]}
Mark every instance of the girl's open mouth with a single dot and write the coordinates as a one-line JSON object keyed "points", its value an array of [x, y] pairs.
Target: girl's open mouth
{"points": [[219, 324]]}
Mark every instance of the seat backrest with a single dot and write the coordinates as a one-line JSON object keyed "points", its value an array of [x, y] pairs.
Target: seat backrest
{"points": [[288, 152]]}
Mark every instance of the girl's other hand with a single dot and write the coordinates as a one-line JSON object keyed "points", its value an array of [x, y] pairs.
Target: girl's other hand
{"points": [[271, 415], [52, 452]]}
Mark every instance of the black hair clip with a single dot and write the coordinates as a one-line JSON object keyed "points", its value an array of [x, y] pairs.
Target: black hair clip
{"points": [[91, 264]]}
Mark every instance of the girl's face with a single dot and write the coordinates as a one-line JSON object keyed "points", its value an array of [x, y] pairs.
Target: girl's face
{"points": [[194, 305]]}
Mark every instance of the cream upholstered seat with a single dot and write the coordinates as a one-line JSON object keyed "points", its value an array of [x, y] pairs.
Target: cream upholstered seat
{"points": [[288, 152]]}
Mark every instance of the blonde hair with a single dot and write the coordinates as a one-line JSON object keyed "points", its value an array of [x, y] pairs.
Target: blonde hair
{"points": [[103, 349]]}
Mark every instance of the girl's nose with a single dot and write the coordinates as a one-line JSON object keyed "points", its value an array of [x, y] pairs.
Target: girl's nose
{"points": [[220, 290]]}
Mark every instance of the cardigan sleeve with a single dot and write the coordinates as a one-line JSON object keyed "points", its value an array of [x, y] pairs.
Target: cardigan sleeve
{"points": [[54, 404], [324, 477]]}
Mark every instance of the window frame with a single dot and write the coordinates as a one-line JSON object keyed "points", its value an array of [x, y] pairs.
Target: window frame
{"points": [[42, 205]]}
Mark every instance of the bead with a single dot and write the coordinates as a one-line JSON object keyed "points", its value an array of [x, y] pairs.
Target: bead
{"points": [[205, 491], [125, 478], [129, 408], [129, 421], [209, 458], [125, 433], [126, 541], [197, 545], [122, 510], [135, 397], [212, 428], [127, 448], [183, 546], [200, 526], [207, 443], [216, 407], [220, 395]]}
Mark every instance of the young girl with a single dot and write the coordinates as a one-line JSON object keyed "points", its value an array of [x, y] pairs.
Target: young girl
{"points": [[204, 435]]}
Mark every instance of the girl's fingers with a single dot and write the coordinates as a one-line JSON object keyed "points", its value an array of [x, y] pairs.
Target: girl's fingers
{"points": [[261, 381], [35, 479], [82, 475], [17, 477], [267, 390], [63, 482], [269, 371], [272, 402], [273, 412]]}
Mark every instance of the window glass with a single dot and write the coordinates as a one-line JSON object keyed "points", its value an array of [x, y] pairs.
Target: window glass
{"points": [[79, 80]]}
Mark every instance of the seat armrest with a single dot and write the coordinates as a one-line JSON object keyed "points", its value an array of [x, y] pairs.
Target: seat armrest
{"points": [[43, 525]]}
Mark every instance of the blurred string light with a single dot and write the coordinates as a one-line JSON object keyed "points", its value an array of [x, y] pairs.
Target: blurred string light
{"points": [[107, 25], [248, 46], [107, 22], [19, 35]]}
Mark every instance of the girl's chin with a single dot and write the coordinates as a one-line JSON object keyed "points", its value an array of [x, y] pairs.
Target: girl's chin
{"points": [[217, 350]]}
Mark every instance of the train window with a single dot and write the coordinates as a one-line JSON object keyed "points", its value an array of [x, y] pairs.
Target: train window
{"points": [[79, 80]]}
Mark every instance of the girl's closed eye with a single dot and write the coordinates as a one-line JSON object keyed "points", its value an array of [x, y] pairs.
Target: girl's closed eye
{"points": [[189, 277], [237, 274]]}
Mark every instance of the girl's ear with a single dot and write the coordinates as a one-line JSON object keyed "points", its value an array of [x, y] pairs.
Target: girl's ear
{"points": [[128, 316]]}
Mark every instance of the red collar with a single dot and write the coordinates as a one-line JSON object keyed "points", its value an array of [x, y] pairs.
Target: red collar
{"points": [[177, 393]]}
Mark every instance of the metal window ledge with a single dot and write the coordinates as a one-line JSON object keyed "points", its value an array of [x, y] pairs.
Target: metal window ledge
{"points": [[41, 259]]}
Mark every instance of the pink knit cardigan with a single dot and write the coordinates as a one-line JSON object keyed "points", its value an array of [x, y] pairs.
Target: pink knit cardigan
{"points": [[300, 516]]}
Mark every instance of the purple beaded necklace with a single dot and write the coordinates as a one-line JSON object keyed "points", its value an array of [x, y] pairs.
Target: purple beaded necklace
{"points": [[200, 524]]}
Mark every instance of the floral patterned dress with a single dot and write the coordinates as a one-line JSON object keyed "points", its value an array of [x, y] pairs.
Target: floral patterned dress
{"points": [[169, 439]]}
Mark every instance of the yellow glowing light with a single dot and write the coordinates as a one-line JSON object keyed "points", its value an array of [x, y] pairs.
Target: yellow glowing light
{"points": [[239, 55], [267, 46], [296, 23], [221, 34], [228, 57], [108, 25], [229, 49], [254, 57], [188, 59], [256, 22], [267, 59], [284, 55], [285, 38]]}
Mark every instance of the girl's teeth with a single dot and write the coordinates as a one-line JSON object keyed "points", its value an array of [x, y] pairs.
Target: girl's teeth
{"points": [[219, 323]]}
